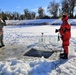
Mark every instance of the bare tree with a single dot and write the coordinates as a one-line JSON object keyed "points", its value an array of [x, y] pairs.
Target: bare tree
{"points": [[9, 15], [26, 11], [40, 12], [68, 6], [72, 4], [33, 15], [16, 15], [65, 6], [28, 14], [53, 8]]}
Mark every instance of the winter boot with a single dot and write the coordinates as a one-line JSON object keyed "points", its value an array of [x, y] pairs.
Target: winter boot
{"points": [[3, 45], [65, 56], [62, 55], [0, 46]]}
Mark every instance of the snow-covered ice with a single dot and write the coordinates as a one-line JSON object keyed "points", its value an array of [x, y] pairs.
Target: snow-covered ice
{"points": [[19, 39]]}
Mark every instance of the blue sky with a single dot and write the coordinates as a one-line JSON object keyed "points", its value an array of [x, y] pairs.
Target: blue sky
{"points": [[20, 5]]}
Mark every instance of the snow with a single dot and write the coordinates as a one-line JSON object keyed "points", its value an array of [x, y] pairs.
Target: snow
{"points": [[19, 39], [49, 21]]}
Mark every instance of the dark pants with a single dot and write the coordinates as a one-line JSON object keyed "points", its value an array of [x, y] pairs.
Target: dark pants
{"points": [[1, 39]]}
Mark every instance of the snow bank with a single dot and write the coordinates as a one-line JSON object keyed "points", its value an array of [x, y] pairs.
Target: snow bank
{"points": [[38, 67]]}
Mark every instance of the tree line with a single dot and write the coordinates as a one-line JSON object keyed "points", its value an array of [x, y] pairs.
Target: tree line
{"points": [[55, 11]]}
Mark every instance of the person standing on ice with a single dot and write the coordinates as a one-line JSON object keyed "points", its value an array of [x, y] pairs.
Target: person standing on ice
{"points": [[65, 32], [2, 23]]}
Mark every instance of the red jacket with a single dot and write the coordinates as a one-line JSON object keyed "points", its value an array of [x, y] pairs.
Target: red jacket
{"points": [[65, 31]]}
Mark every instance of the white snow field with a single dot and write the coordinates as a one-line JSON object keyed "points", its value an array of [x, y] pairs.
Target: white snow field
{"points": [[19, 39]]}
